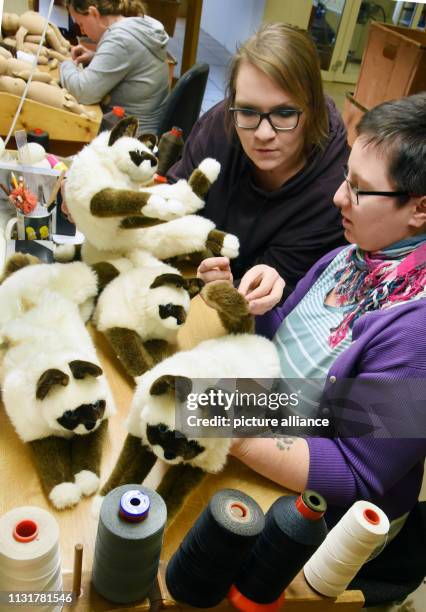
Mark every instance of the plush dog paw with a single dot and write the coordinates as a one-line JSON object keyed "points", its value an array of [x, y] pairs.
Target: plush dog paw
{"points": [[221, 243], [211, 168], [65, 495], [96, 505], [87, 482], [64, 253]]}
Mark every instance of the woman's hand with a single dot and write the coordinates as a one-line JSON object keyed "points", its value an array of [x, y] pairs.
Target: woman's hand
{"points": [[262, 287], [81, 55], [214, 269]]}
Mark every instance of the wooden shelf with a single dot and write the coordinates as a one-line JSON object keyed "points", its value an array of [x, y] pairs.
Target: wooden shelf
{"points": [[61, 124]]}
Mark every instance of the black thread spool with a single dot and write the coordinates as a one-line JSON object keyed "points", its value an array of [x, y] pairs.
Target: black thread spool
{"points": [[202, 570], [170, 150], [294, 528], [40, 137]]}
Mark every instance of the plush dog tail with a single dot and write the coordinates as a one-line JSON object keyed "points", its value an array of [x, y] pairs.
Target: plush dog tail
{"points": [[230, 305], [17, 262], [204, 176], [64, 253]]}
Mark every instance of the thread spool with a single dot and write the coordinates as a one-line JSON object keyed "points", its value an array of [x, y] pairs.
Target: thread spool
{"points": [[294, 528], [40, 137], [170, 150], [128, 543], [110, 119], [202, 570], [347, 547], [29, 552]]}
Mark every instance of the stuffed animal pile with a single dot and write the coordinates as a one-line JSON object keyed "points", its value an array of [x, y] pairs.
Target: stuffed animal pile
{"points": [[151, 422]]}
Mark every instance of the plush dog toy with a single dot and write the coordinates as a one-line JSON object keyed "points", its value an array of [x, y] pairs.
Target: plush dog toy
{"points": [[151, 422], [141, 311], [107, 199], [53, 388]]}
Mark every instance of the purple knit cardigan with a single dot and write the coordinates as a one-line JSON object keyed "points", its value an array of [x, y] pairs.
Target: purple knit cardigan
{"points": [[386, 344]]}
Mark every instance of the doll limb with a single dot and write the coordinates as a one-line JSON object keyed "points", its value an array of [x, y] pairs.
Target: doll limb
{"points": [[133, 465], [176, 484], [86, 453], [130, 350], [53, 459], [118, 202]]}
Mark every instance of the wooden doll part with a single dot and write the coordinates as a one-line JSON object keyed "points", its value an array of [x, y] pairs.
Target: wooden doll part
{"points": [[57, 97], [10, 23], [5, 53], [35, 24], [11, 85], [22, 70]]}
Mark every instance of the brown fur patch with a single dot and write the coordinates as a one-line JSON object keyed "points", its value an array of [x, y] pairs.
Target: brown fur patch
{"points": [[199, 183], [125, 127], [179, 385], [133, 465], [158, 349], [111, 202], [17, 262], [86, 451], [105, 272], [168, 279], [52, 456], [130, 350], [194, 286], [139, 221], [50, 378], [149, 140], [176, 484], [230, 305], [80, 369], [214, 241]]}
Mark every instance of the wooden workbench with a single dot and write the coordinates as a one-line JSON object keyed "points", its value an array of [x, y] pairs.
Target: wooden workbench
{"points": [[19, 485]]}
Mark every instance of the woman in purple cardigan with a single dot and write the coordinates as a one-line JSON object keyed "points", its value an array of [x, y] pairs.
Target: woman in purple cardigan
{"points": [[360, 314]]}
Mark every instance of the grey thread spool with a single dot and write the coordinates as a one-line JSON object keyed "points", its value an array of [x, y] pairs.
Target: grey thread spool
{"points": [[128, 543]]}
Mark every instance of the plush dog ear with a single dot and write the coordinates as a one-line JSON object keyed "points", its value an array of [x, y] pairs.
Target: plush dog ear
{"points": [[168, 279], [80, 369], [179, 385], [50, 378], [194, 286], [149, 140], [125, 127]]}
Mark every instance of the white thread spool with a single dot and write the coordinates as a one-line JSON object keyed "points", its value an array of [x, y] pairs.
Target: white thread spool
{"points": [[29, 553], [346, 548]]}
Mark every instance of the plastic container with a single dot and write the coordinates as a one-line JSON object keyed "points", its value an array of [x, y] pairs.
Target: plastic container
{"points": [[110, 119]]}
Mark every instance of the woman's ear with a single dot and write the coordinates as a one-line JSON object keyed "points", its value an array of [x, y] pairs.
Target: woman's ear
{"points": [[93, 12], [418, 218]]}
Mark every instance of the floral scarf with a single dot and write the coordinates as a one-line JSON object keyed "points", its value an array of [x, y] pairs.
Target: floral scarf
{"points": [[372, 281]]}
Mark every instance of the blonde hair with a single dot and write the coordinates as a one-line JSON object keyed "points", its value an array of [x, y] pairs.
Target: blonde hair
{"points": [[126, 8], [289, 57]]}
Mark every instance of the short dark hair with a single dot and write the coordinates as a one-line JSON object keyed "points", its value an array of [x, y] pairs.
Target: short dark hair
{"points": [[398, 129]]}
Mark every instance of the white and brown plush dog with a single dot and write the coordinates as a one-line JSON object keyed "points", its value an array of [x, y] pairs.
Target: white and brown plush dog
{"points": [[106, 196], [151, 422], [141, 311], [52, 385]]}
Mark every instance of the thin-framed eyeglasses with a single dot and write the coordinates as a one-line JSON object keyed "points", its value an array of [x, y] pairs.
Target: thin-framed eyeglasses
{"points": [[280, 120], [354, 192]]}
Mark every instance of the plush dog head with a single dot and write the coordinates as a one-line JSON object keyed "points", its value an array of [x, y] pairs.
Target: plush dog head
{"points": [[133, 156], [72, 398], [154, 410], [169, 297]]}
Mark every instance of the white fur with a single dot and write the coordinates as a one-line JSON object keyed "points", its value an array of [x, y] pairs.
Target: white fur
{"points": [[23, 289], [50, 335], [99, 166], [234, 356], [87, 482], [65, 495], [128, 301]]}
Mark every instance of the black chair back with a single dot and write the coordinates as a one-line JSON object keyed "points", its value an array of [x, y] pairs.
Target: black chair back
{"points": [[183, 104]]}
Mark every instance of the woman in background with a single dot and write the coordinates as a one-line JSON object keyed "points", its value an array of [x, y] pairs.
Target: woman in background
{"points": [[129, 64], [281, 145]]}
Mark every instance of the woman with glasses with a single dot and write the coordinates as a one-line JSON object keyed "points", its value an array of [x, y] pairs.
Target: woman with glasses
{"points": [[281, 145], [355, 326], [128, 68]]}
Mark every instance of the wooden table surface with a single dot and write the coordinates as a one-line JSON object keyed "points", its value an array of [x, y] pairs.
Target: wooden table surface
{"points": [[20, 486]]}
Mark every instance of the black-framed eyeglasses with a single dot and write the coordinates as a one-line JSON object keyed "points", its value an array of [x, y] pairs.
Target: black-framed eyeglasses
{"points": [[280, 120], [354, 192]]}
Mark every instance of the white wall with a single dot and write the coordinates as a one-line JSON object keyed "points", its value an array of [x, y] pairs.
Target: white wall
{"points": [[231, 21], [16, 6]]}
